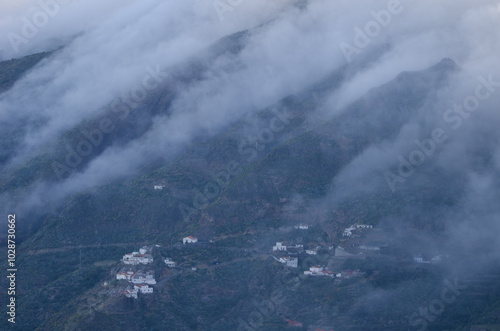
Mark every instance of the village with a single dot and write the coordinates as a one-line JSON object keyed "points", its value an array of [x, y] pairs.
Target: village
{"points": [[297, 250], [141, 281], [353, 245], [289, 253], [305, 249], [137, 278]]}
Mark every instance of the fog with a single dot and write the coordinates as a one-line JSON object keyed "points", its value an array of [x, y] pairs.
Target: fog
{"points": [[104, 53], [107, 48]]}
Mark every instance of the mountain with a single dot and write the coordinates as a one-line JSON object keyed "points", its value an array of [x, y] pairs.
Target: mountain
{"points": [[378, 175]]}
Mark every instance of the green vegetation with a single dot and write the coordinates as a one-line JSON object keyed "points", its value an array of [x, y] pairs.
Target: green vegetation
{"points": [[12, 70]]}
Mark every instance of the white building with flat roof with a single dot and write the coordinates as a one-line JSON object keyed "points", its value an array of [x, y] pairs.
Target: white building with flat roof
{"points": [[125, 275], [168, 261], [131, 293], [312, 251], [290, 261], [189, 240], [136, 258], [280, 246], [364, 226], [316, 269], [348, 231], [140, 278], [143, 288], [319, 271]]}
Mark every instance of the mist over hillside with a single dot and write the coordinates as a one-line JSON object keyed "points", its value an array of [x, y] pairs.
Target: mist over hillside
{"points": [[132, 123]]}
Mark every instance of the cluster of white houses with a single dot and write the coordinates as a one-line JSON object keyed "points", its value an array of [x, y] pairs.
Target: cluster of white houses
{"points": [[142, 288], [282, 246], [294, 249], [140, 280], [142, 257], [348, 231], [137, 277]]}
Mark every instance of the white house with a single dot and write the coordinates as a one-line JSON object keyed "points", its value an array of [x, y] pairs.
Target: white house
{"points": [[189, 240], [125, 275], [159, 187], [136, 258], [319, 271], [130, 293], [290, 261], [328, 273], [311, 251], [145, 258], [316, 269], [140, 278], [130, 258], [279, 247], [121, 275], [168, 261], [348, 231], [364, 226], [143, 288]]}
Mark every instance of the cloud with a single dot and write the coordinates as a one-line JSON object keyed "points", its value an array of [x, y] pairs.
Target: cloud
{"points": [[107, 48], [449, 205]]}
